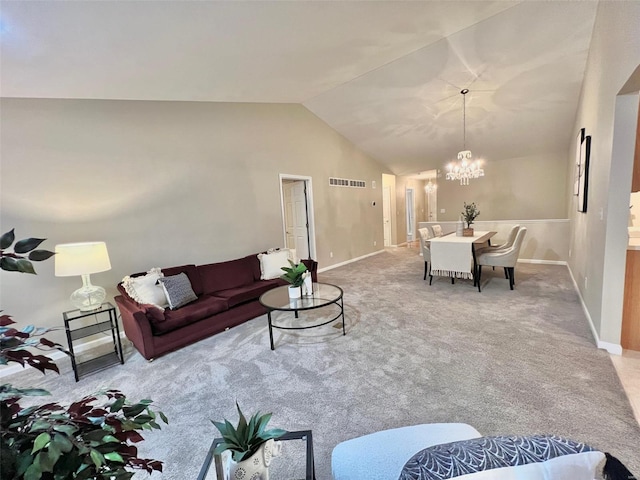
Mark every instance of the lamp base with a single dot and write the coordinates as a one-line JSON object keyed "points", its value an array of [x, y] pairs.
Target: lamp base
{"points": [[89, 297]]}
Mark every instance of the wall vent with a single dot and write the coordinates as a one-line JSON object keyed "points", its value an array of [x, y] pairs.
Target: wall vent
{"points": [[345, 182]]}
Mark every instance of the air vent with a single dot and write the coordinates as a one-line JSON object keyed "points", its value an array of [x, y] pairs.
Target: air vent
{"points": [[345, 182]]}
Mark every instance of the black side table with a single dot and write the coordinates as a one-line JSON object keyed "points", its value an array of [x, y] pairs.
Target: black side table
{"points": [[106, 320], [287, 457]]}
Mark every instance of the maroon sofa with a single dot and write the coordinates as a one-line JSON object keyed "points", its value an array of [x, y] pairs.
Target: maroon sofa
{"points": [[227, 293]]}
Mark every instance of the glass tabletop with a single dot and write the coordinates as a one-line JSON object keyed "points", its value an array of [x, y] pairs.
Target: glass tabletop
{"points": [[323, 294]]}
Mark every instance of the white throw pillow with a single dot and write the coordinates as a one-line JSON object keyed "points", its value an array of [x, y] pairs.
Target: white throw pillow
{"points": [[271, 264], [145, 290]]}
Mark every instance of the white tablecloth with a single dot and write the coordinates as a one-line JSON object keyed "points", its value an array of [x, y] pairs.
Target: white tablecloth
{"points": [[451, 255]]}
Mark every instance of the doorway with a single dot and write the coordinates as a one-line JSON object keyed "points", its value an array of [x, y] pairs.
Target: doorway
{"points": [[297, 215], [386, 215]]}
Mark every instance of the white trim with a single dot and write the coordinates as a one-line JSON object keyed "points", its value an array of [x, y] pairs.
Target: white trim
{"points": [[336, 265], [542, 262], [58, 355], [612, 348], [310, 210]]}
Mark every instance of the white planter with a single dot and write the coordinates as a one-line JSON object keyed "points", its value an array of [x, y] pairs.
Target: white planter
{"points": [[295, 292], [256, 467]]}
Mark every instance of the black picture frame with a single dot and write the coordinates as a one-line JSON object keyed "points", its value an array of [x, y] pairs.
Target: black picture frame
{"points": [[583, 187]]}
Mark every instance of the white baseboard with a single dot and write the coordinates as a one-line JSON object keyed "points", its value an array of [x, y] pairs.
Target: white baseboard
{"points": [[542, 262], [336, 265], [612, 348], [58, 355]]}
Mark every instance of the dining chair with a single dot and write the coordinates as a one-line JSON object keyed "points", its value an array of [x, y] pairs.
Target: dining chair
{"points": [[426, 251], [510, 239], [506, 258], [435, 230]]}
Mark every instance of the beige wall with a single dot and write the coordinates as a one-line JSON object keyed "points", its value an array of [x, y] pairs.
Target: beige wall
{"points": [[599, 237], [518, 188], [166, 183]]}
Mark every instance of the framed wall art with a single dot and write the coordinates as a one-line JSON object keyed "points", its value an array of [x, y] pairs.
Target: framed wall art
{"points": [[583, 184], [576, 172]]}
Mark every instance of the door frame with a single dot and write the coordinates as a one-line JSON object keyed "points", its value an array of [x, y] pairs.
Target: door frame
{"points": [[311, 229]]}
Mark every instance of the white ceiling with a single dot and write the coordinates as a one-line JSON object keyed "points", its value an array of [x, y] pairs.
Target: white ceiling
{"points": [[385, 74]]}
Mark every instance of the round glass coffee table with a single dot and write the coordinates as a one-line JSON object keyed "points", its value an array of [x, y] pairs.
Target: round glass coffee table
{"points": [[324, 294]]}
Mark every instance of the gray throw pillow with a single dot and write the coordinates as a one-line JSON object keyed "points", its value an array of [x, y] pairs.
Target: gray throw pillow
{"points": [[487, 457], [178, 290]]}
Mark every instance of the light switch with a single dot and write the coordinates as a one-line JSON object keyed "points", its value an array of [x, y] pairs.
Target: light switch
{"points": [[442, 210]]}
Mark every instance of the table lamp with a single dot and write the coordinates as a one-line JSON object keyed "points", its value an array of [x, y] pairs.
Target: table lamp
{"points": [[83, 259]]}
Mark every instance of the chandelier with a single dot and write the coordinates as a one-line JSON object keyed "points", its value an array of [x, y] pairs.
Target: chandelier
{"points": [[465, 168], [430, 187]]}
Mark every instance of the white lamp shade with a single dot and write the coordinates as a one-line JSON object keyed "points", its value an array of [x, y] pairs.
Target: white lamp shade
{"points": [[73, 259]]}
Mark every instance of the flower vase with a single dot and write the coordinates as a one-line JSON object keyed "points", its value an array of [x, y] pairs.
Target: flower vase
{"points": [[307, 286], [256, 467], [295, 292]]}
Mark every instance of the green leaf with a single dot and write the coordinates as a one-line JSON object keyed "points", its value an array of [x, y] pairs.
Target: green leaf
{"points": [[62, 442], [9, 264], [25, 266], [134, 410], [40, 255], [70, 430], [7, 239], [117, 405], [114, 457], [28, 244], [110, 439], [142, 419], [39, 425], [40, 442], [97, 458], [33, 472], [163, 417]]}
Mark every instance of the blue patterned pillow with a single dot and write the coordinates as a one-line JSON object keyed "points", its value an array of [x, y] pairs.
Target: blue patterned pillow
{"points": [[542, 456]]}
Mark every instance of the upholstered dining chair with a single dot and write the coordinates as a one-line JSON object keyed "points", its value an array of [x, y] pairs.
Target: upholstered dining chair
{"points": [[426, 251], [510, 239], [435, 230], [506, 258]]}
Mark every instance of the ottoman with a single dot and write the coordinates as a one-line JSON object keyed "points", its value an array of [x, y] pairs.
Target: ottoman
{"points": [[381, 455]]}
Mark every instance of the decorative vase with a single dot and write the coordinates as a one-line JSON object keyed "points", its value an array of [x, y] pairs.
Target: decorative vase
{"points": [[256, 467], [307, 287], [467, 232], [295, 292]]}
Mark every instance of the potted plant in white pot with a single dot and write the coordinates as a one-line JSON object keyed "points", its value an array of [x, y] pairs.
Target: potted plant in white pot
{"points": [[295, 275], [250, 444], [470, 213]]}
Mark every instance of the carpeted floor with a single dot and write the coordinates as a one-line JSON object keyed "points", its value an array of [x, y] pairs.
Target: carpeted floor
{"points": [[506, 362]]}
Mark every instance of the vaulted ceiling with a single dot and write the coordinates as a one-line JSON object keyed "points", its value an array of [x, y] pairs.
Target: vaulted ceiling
{"points": [[385, 74]]}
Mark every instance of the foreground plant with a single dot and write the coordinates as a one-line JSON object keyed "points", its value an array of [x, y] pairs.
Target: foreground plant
{"points": [[470, 213], [245, 439], [82, 441]]}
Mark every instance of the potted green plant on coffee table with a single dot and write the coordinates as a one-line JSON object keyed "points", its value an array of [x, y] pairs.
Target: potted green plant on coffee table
{"points": [[295, 275]]}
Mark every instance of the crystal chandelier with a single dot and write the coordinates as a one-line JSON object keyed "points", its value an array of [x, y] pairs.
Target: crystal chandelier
{"points": [[430, 187], [465, 168]]}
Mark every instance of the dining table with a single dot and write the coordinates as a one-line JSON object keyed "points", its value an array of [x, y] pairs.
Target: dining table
{"points": [[454, 256]]}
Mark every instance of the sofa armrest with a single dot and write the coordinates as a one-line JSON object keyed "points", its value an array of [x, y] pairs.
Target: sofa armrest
{"points": [[312, 266], [136, 326]]}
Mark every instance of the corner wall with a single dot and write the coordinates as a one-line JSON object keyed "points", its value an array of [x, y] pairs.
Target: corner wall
{"points": [[598, 237]]}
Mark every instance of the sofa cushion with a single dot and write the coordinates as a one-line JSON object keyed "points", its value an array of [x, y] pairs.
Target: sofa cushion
{"points": [[238, 295], [205, 306], [177, 289], [225, 275], [504, 458], [192, 273], [271, 264], [144, 288]]}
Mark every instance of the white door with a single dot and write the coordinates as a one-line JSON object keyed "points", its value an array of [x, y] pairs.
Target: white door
{"points": [[295, 215], [432, 206], [410, 215], [386, 215]]}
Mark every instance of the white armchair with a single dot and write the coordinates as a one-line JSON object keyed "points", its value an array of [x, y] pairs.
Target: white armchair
{"points": [[426, 251], [506, 258]]}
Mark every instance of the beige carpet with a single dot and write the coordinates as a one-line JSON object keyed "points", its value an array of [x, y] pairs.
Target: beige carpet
{"points": [[506, 362]]}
